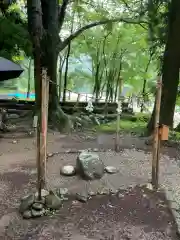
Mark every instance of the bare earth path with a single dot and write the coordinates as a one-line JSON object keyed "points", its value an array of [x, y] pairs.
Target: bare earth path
{"points": [[134, 214]]}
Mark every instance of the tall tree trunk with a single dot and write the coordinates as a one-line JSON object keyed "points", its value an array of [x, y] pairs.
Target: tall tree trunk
{"points": [[119, 72], [99, 71], [97, 84], [144, 84], [143, 95], [67, 61], [43, 21], [170, 69], [66, 72], [60, 77], [29, 78], [36, 32], [117, 80], [96, 70], [49, 59], [61, 64]]}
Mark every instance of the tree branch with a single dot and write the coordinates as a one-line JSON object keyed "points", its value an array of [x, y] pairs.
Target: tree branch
{"points": [[94, 24], [62, 13]]}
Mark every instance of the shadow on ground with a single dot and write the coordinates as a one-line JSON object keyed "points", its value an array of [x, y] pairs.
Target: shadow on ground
{"points": [[134, 214]]}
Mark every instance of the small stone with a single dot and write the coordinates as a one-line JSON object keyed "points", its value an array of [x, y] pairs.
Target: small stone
{"points": [[37, 206], [68, 151], [68, 170], [113, 191], [26, 203], [88, 137], [53, 202], [37, 213], [27, 214], [75, 203], [104, 191], [111, 169], [149, 186], [33, 171], [62, 191], [50, 155], [169, 230], [44, 193], [30, 133], [95, 150], [91, 193], [81, 150], [82, 197], [120, 195]]}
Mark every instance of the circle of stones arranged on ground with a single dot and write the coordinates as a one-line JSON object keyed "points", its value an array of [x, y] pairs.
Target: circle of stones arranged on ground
{"points": [[88, 165]]}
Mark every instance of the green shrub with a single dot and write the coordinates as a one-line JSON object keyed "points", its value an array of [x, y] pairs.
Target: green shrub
{"points": [[143, 117], [139, 117]]}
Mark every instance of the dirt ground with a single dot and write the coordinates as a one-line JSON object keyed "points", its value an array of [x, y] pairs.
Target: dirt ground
{"points": [[133, 213]]}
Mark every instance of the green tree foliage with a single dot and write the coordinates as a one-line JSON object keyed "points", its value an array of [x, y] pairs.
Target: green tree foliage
{"points": [[123, 38], [14, 37], [108, 50]]}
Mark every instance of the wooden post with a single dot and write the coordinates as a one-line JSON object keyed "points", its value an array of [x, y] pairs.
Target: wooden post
{"points": [[69, 95], [157, 140], [42, 145], [118, 116], [35, 124]]}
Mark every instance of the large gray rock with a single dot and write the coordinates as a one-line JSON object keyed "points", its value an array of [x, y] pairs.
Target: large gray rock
{"points": [[89, 165], [82, 197], [52, 201], [27, 214], [26, 203]]}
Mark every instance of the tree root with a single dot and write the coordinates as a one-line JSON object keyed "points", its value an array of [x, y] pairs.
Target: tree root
{"points": [[65, 123], [60, 120]]}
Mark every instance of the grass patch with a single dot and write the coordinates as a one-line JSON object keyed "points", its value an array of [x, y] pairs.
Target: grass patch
{"points": [[137, 127], [139, 117], [125, 126], [134, 124], [143, 117], [173, 135]]}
